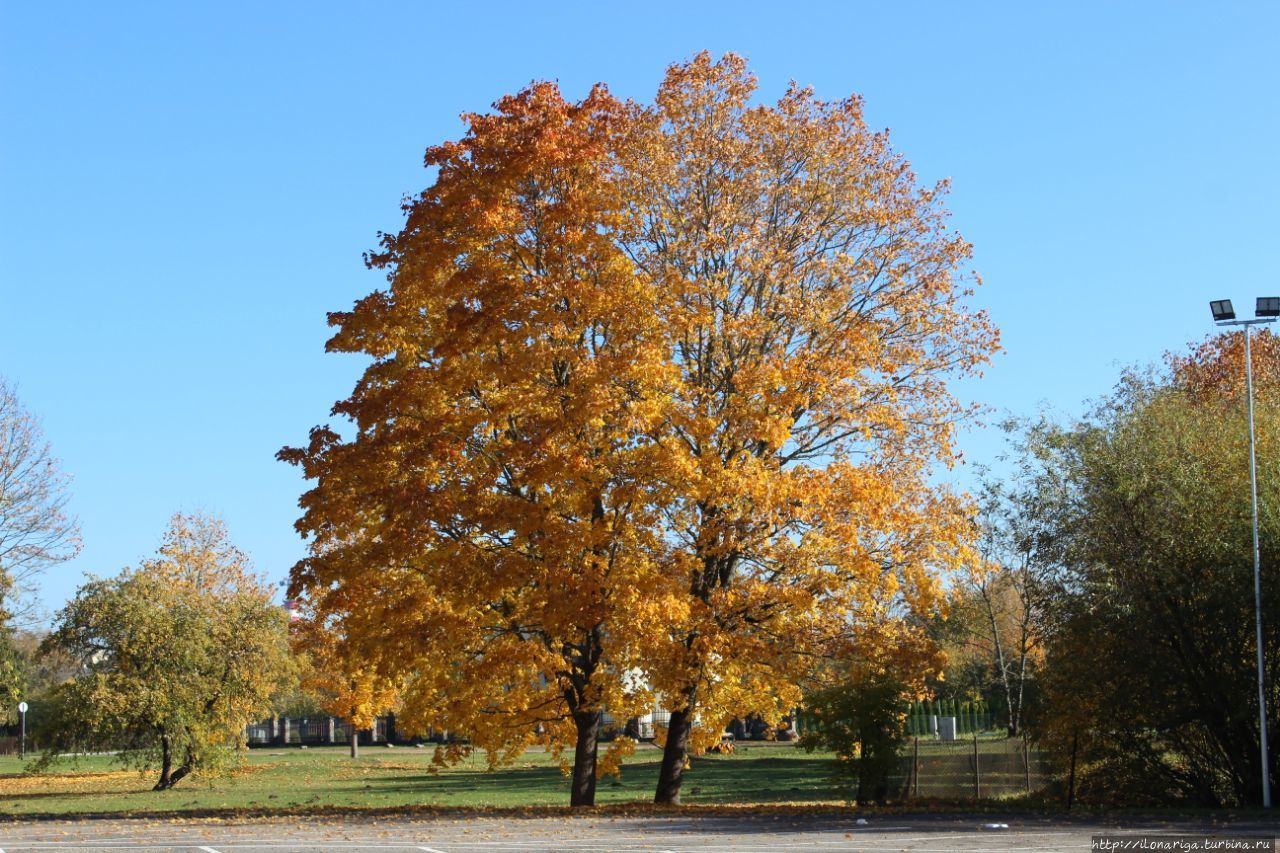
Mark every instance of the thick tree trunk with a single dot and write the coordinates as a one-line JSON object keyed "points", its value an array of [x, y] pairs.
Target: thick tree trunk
{"points": [[166, 765], [587, 716], [674, 756], [355, 740], [584, 758], [168, 776]]}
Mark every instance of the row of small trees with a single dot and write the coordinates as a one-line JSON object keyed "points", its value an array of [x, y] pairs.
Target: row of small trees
{"points": [[970, 716]]}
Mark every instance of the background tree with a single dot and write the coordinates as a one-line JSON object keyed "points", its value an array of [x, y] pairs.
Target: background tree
{"points": [[13, 674], [178, 656], [1150, 667], [36, 673], [338, 681], [481, 532], [994, 629], [863, 721], [45, 669], [813, 307], [35, 529], [857, 707]]}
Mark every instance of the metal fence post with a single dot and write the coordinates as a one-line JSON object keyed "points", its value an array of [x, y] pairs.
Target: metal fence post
{"points": [[1026, 761], [915, 769], [977, 778]]}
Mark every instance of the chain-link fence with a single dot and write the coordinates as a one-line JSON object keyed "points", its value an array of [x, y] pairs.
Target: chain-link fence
{"points": [[315, 731], [977, 768], [321, 730]]}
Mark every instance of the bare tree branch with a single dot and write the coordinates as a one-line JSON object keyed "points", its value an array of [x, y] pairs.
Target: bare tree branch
{"points": [[35, 529]]}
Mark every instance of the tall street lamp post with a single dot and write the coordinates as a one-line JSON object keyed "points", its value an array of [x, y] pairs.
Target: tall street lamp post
{"points": [[1267, 310]]}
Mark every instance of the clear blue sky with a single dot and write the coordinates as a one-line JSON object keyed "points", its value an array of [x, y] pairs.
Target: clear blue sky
{"points": [[186, 189]]}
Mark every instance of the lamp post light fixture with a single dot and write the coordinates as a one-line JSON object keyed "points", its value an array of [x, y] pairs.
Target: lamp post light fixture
{"points": [[22, 710], [1266, 311]]}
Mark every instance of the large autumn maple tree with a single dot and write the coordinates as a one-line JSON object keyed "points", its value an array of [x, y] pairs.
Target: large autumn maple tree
{"points": [[655, 397], [813, 303], [484, 529]]}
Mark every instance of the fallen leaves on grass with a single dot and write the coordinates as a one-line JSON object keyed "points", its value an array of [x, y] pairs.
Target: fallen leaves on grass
{"points": [[113, 781]]}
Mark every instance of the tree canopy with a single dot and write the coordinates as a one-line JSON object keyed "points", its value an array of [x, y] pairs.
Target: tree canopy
{"points": [[177, 656]]}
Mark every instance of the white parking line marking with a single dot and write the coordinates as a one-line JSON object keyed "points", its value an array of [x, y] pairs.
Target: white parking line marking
{"points": [[931, 843], [428, 849], [207, 849]]}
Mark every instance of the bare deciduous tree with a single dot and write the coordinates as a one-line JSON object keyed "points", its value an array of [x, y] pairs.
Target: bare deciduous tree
{"points": [[35, 529], [1020, 547]]}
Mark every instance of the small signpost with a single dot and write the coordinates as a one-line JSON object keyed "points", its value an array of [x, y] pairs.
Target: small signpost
{"points": [[22, 730]]}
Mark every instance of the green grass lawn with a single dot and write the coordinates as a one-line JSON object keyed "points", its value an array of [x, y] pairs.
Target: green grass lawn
{"points": [[319, 778]]}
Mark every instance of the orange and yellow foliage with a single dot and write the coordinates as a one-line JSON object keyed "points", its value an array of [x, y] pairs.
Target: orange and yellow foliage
{"points": [[1214, 370], [814, 309], [655, 397], [488, 529]]}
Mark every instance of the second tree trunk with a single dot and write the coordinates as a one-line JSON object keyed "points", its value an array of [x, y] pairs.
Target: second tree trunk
{"points": [[674, 757], [584, 758]]}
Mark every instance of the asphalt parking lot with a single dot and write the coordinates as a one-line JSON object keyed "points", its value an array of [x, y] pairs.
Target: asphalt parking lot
{"points": [[724, 834]]}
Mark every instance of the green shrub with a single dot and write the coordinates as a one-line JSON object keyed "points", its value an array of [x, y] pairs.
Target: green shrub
{"points": [[864, 722]]}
